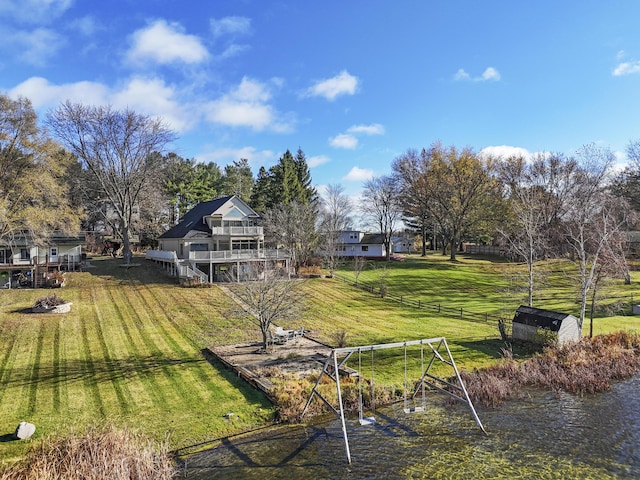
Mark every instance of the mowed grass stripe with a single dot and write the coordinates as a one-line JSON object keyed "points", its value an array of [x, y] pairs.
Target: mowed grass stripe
{"points": [[147, 331], [8, 341], [35, 368], [76, 399], [88, 369], [112, 369], [147, 358], [134, 355], [194, 368]]}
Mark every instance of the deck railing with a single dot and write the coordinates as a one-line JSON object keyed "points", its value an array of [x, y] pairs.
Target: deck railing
{"points": [[232, 255], [237, 231]]}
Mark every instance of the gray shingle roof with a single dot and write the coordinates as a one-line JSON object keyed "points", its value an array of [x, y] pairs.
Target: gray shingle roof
{"points": [[192, 220]]}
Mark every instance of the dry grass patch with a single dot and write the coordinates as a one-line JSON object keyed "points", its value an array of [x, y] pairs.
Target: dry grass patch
{"points": [[585, 367], [107, 453]]}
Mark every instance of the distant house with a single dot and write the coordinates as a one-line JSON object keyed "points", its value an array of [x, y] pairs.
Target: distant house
{"points": [[218, 241], [355, 243], [34, 259], [534, 324]]}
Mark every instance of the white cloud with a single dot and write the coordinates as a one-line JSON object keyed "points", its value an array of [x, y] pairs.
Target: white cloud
{"points": [[461, 75], [225, 156], [349, 140], [87, 25], [246, 106], [317, 160], [230, 26], [373, 129], [37, 46], [34, 11], [489, 74], [46, 95], [165, 43], [342, 84], [505, 151], [357, 174], [148, 96], [151, 96], [344, 140], [626, 68]]}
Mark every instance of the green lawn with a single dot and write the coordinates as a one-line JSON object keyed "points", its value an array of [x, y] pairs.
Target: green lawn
{"points": [[129, 350]]}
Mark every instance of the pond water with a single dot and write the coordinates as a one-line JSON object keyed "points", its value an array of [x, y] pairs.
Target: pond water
{"points": [[539, 436]]}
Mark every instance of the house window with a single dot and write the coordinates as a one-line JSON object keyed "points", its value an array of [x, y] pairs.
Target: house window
{"points": [[199, 247], [365, 248], [244, 245], [25, 254], [353, 236], [341, 248], [53, 252]]}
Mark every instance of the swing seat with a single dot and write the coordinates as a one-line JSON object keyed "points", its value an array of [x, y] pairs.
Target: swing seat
{"points": [[413, 409], [368, 421]]}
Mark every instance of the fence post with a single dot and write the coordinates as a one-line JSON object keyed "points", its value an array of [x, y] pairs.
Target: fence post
{"points": [[419, 306], [438, 308], [460, 313]]}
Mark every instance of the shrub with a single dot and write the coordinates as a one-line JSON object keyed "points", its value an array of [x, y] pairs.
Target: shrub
{"points": [[98, 454]]}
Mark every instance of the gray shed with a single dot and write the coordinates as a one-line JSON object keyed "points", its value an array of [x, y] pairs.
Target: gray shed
{"points": [[531, 324]]}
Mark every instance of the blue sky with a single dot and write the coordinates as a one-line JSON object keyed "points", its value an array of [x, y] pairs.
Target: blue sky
{"points": [[353, 83]]}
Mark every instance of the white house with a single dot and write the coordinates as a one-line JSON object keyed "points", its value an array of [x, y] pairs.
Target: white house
{"points": [[354, 243], [218, 240]]}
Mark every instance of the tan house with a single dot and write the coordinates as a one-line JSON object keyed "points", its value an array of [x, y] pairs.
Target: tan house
{"points": [[218, 241]]}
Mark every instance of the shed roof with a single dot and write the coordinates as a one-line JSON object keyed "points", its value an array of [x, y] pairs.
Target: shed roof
{"points": [[537, 317]]}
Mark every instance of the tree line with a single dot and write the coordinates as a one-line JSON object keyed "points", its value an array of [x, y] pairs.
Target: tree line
{"points": [[101, 169]]}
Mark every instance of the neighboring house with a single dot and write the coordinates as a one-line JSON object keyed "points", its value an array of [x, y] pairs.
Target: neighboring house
{"points": [[535, 324], [35, 259], [218, 241], [354, 243]]}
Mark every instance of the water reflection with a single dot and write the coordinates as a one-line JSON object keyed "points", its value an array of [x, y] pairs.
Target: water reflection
{"points": [[541, 436]]}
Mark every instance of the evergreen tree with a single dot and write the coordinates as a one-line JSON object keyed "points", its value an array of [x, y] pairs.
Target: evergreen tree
{"points": [[260, 195], [307, 192], [238, 179]]}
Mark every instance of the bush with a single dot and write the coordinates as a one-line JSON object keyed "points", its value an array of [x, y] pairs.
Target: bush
{"points": [[107, 453]]}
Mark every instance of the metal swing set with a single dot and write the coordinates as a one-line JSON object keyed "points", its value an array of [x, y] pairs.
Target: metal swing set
{"points": [[336, 363]]}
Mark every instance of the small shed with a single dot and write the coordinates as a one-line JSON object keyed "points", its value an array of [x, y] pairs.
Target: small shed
{"points": [[535, 324]]}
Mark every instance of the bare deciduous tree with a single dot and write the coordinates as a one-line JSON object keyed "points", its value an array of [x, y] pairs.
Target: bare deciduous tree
{"points": [[593, 219], [535, 193], [334, 219], [117, 147], [293, 226], [269, 301], [381, 207]]}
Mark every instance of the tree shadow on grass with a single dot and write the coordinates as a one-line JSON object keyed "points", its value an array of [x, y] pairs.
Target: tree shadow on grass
{"points": [[497, 348], [141, 271]]}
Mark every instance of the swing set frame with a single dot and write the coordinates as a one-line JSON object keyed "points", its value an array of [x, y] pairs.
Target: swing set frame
{"points": [[338, 358]]}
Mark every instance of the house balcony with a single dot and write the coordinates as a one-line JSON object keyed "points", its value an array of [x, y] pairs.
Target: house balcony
{"points": [[238, 231], [238, 255]]}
